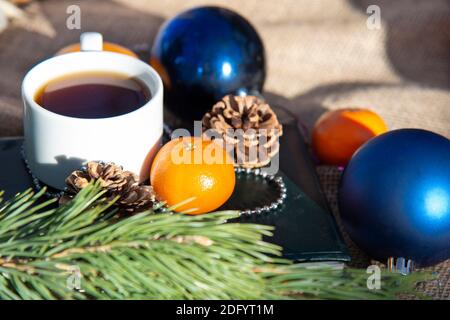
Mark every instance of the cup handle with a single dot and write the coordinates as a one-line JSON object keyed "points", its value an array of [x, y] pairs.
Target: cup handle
{"points": [[91, 41]]}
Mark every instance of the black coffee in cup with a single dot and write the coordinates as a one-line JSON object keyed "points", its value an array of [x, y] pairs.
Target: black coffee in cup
{"points": [[93, 95]]}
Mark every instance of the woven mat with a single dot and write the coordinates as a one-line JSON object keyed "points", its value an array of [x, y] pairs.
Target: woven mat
{"points": [[321, 56]]}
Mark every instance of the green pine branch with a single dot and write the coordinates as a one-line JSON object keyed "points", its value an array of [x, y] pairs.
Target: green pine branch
{"points": [[156, 256]]}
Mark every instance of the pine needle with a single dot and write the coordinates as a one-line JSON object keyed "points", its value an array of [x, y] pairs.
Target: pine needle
{"points": [[156, 256]]}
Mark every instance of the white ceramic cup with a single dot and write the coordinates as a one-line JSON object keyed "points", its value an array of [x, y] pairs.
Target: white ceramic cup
{"points": [[56, 145]]}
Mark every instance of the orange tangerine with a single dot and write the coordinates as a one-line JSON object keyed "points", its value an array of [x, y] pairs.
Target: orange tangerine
{"points": [[107, 46], [339, 133], [193, 169]]}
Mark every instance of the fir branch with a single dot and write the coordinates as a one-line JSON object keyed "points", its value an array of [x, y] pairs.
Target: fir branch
{"points": [[156, 256]]}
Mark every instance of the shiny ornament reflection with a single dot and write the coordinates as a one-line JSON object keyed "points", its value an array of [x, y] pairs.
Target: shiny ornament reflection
{"points": [[394, 196], [436, 203], [205, 53]]}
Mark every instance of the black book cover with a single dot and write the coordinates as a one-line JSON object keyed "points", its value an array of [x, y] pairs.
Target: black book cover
{"points": [[304, 226]]}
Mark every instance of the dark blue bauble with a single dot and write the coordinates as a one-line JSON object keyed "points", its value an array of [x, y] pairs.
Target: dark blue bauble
{"points": [[394, 196], [205, 53]]}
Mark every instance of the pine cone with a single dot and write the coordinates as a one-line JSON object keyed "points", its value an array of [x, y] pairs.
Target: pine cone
{"points": [[249, 125], [137, 197], [133, 197]]}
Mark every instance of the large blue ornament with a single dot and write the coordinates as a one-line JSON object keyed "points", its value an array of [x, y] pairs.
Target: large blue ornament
{"points": [[394, 196], [205, 53]]}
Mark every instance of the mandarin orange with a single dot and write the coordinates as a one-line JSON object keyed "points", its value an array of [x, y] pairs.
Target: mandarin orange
{"points": [[107, 46], [193, 169], [339, 133]]}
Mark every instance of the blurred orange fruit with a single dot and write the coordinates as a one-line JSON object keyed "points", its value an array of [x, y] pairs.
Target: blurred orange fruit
{"points": [[193, 168], [107, 46], [339, 133], [158, 66]]}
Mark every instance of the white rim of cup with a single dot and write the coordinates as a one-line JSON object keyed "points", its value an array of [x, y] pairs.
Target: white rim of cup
{"points": [[29, 96]]}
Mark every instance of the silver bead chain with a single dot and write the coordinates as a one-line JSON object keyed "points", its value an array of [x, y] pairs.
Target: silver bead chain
{"points": [[278, 181], [36, 182], [38, 185]]}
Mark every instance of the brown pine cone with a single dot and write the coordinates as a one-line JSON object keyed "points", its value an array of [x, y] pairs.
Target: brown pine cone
{"points": [[136, 198], [248, 125], [133, 197]]}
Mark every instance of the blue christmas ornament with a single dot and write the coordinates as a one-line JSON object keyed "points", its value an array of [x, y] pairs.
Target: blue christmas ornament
{"points": [[205, 53], [394, 196]]}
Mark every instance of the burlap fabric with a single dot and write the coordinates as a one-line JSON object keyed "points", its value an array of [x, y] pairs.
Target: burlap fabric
{"points": [[321, 55]]}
